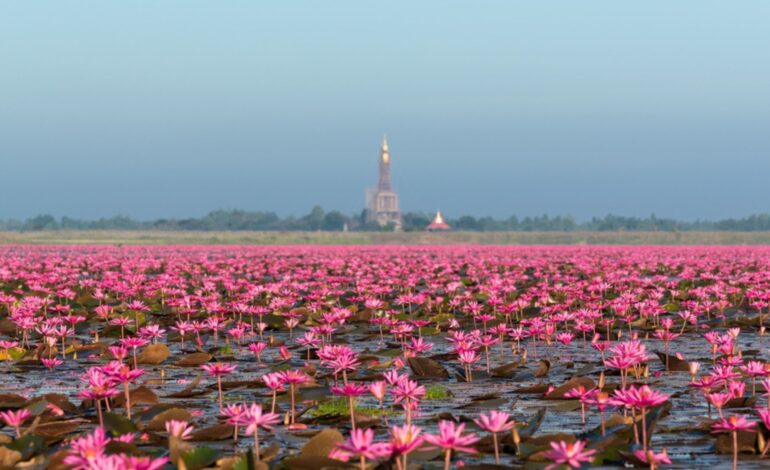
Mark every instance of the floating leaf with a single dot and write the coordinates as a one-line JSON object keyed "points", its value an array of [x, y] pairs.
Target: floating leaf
{"points": [[200, 457], [322, 443], [559, 392], [118, 424], [158, 422], [28, 446], [427, 368], [217, 432], [543, 368], [194, 359], [153, 354], [9, 457]]}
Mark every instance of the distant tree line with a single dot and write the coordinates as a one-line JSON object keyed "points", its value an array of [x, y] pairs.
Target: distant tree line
{"points": [[318, 219]]}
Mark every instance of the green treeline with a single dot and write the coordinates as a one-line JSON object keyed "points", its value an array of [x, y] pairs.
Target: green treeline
{"points": [[318, 219]]}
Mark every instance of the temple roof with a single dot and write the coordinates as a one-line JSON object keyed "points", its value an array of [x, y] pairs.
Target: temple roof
{"points": [[438, 223]]}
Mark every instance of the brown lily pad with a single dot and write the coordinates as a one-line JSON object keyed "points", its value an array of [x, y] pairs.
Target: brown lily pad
{"points": [[504, 371], [11, 400], [9, 458], [302, 462], [742, 402], [559, 392], [674, 363], [537, 388], [56, 461], [747, 443], [56, 429], [194, 359], [153, 354], [543, 368], [59, 400], [158, 423], [217, 432], [428, 368], [139, 396], [322, 443]]}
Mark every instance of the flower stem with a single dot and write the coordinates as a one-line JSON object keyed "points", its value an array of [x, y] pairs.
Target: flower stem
{"points": [[497, 449], [128, 401], [219, 388], [256, 445]]}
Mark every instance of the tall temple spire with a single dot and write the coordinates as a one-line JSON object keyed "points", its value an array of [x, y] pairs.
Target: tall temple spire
{"points": [[384, 182], [382, 202]]}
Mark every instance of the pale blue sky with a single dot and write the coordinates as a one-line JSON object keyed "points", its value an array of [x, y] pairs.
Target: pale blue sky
{"points": [[173, 108]]}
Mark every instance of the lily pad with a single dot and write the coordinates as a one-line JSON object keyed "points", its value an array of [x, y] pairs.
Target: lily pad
{"points": [[200, 457], [153, 354], [194, 359], [559, 392], [322, 443], [118, 424], [217, 432], [427, 368], [28, 446], [158, 423], [9, 457]]}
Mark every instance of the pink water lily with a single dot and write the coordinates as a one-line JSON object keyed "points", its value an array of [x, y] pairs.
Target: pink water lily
{"points": [[361, 443], [451, 437], [571, 454], [495, 422]]}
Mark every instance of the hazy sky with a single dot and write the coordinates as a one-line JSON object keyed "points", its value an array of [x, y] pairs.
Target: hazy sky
{"points": [[174, 108]]}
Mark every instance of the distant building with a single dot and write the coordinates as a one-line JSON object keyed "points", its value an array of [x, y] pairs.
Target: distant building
{"points": [[438, 224], [382, 202]]}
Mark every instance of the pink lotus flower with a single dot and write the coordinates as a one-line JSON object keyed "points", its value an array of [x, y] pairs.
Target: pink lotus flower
{"points": [[274, 382], [236, 414], [654, 460], [451, 438], [179, 429], [409, 393], [495, 422], [294, 378], [569, 453], [52, 363], [404, 440], [255, 419], [121, 374], [350, 391], [361, 443], [85, 452], [734, 424], [218, 369], [15, 418]]}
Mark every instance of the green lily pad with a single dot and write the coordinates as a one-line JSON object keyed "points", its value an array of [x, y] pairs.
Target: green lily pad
{"points": [[200, 457]]}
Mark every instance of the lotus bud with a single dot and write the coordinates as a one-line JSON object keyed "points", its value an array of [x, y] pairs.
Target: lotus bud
{"points": [[516, 438], [694, 367]]}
